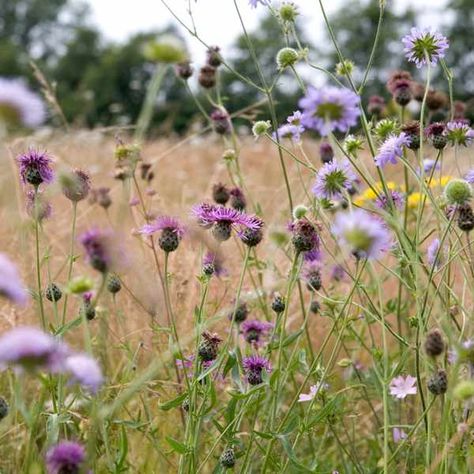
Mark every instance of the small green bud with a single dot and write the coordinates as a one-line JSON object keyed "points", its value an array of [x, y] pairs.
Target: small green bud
{"points": [[261, 128], [352, 145], [464, 390], [300, 211], [344, 68], [166, 49], [286, 57], [288, 12], [80, 285], [229, 155], [458, 191], [385, 128]]}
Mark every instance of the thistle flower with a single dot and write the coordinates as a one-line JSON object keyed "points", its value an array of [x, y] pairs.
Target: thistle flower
{"points": [[19, 105], [172, 231], [254, 367], [75, 185], [396, 76], [31, 349], [11, 286], [85, 371], [209, 346], [227, 458], [398, 200], [424, 45], [402, 91], [278, 303], [436, 100], [237, 199], [223, 219], [329, 109], [326, 153], [220, 193], [251, 237], [65, 457], [438, 382], [436, 134], [304, 235], [35, 167], [184, 70], [401, 387], [365, 235], [212, 264], [207, 76], [412, 131], [221, 121], [36, 206], [53, 293], [255, 331], [434, 343], [458, 132], [98, 245], [241, 313], [391, 149], [214, 57], [332, 179], [311, 274]]}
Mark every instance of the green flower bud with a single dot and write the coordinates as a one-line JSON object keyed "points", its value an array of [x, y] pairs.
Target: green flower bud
{"points": [[458, 191], [299, 211], [80, 285], [229, 155], [286, 57], [166, 49], [288, 12], [344, 68], [261, 128]]}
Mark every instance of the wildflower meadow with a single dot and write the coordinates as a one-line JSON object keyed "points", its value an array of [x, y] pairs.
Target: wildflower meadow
{"points": [[262, 293]]}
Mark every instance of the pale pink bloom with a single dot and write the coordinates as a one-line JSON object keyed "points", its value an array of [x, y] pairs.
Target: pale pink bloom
{"points": [[401, 386]]}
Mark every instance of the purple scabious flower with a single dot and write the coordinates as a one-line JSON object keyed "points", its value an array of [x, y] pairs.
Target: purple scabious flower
{"points": [[11, 286], [255, 331], [429, 166], [31, 348], [401, 386], [97, 244], [392, 149], [329, 109], [338, 273], [36, 206], [254, 367], [19, 105], [291, 132], [434, 254], [223, 219], [212, 264], [332, 179], [65, 457], [424, 45], [172, 231], [397, 198], [365, 235], [469, 177], [254, 3], [35, 167], [85, 371], [458, 132]]}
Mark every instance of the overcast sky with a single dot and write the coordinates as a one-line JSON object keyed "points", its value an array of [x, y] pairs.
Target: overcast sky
{"points": [[216, 20]]}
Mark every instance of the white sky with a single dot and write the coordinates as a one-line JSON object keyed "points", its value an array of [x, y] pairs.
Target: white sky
{"points": [[216, 20]]}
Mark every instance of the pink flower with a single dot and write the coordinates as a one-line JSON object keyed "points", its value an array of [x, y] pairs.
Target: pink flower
{"points": [[401, 386], [313, 391], [399, 435]]}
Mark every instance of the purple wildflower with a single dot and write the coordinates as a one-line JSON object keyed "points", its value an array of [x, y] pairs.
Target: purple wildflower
{"points": [[313, 392], [328, 109], [221, 121], [401, 386], [469, 177], [212, 264], [172, 231], [332, 179], [237, 199], [305, 236], [458, 132], [65, 457], [434, 255], [311, 274], [254, 331], [392, 149], [291, 132], [430, 165], [35, 167], [31, 348], [338, 273], [98, 245], [254, 3], [11, 285], [397, 198], [424, 45], [365, 235], [36, 206], [76, 185], [19, 105], [254, 367], [85, 371], [399, 435], [313, 255]]}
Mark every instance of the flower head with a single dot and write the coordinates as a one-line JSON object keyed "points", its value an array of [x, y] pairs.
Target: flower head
{"points": [[392, 149], [469, 177], [212, 264], [85, 371], [365, 235], [172, 231], [399, 435], [254, 331], [305, 236], [401, 386], [329, 109], [424, 45], [254, 3], [332, 179], [65, 457], [11, 286], [254, 367], [75, 185], [313, 391], [36, 206], [458, 132], [19, 105], [99, 246], [31, 348], [291, 132], [397, 198], [35, 167]]}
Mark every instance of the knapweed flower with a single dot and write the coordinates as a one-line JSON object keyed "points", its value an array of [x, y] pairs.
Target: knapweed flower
{"points": [[395, 76], [434, 254], [392, 149], [36, 206], [313, 391], [255, 366], [401, 386], [237, 199], [75, 185], [65, 457], [365, 235], [11, 285], [311, 274], [35, 167], [222, 219], [31, 348], [212, 264], [338, 273], [398, 200], [458, 132], [85, 371], [220, 193], [221, 121], [424, 45], [209, 346], [305, 235], [172, 231], [19, 105], [255, 331], [333, 179], [329, 109], [98, 245]]}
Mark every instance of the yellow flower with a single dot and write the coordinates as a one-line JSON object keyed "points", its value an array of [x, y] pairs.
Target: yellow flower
{"points": [[414, 199]]}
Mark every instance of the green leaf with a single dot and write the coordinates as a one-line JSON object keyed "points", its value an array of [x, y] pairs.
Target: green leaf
{"points": [[176, 445], [173, 403]]}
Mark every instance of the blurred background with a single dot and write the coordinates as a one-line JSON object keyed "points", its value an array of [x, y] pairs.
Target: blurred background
{"points": [[91, 52]]}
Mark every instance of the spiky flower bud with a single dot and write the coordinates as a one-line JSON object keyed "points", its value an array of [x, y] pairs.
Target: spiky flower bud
{"points": [[207, 77], [241, 313], [438, 382], [214, 57], [114, 284], [221, 121], [75, 185], [412, 130], [345, 68], [465, 218], [286, 57], [315, 307], [352, 145], [227, 458], [305, 236], [434, 343], [237, 199], [209, 346], [458, 191], [278, 303], [184, 70], [251, 237], [288, 12], [220, 193], [53, 292], [261, 128], [87, 307], [385, 128]]}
